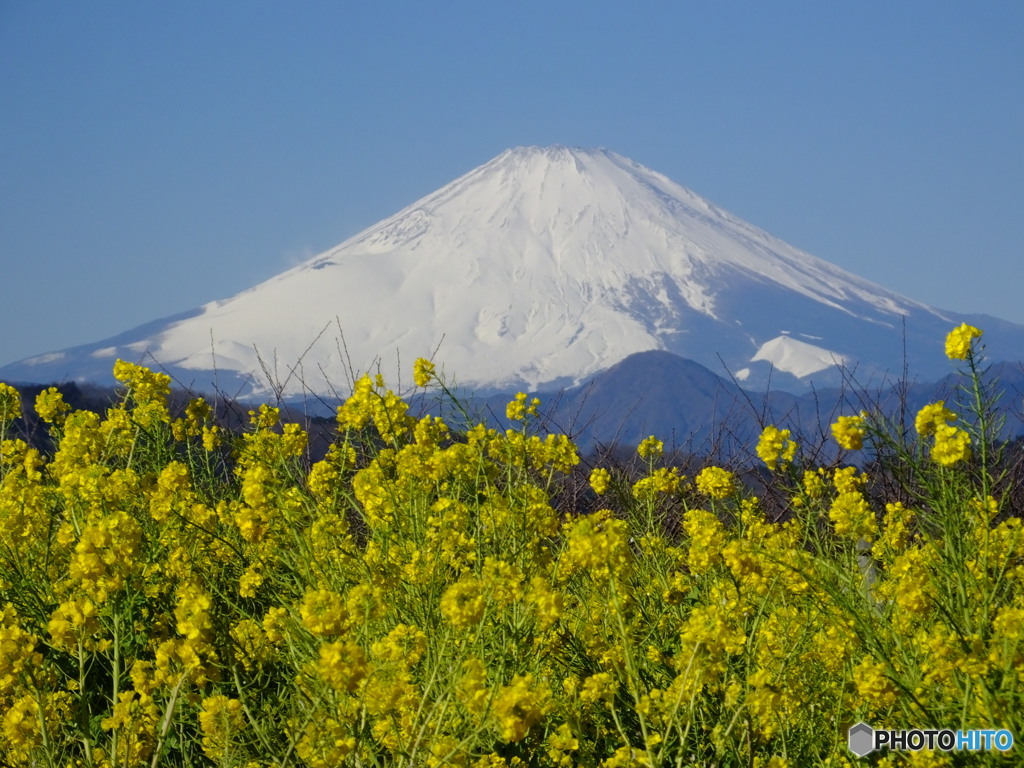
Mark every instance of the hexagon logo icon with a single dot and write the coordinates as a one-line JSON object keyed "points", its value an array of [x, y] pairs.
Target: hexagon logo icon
{"points": [[861, 739]]}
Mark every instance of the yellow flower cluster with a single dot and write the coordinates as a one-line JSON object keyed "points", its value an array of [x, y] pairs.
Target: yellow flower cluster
{"points": [[519, 706], [716, 482], [650, 448], [518, 409], [951, 444], [849, 432], [422, 372], [10, 404], [600, 480], [439, 594], [775, 447], [960, 341], [220, 718]]}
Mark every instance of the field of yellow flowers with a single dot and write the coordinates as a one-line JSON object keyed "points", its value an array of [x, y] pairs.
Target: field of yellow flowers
{"points": [[174, 595]]}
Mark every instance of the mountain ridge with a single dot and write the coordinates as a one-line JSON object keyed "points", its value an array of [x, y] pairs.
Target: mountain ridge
{"points": [[538, 270]]}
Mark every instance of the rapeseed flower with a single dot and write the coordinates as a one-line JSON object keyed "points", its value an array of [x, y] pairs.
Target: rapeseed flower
{"points": [[849, 432], [219, 719], [519, 706], [650, 448], [355, 606], [10, 404], [596, 544], [600, 480], [472, 689], [20, 729], [952, 445], [104, 556], [775, 448], [325, 743], [323, 613], [932, 416], [716, 482], [518, 409], [73, 621], [559, 742], [143, 385], [874, 687], [663, 480], [404, 644], [707, 539], [422, 372], [51, 407], [342, 665], [599, 687], [547, 603], [853, 517], [960, 340], [464, 602]]}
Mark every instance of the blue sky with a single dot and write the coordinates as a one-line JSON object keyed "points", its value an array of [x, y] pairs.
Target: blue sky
{"points": [[156, 156]]}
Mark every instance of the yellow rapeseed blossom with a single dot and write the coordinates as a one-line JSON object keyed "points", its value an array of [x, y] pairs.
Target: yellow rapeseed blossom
{"points": [[441, 597], [650, 448], [716, 482], [51, 407], [775, 448], [559, 742], [849, 432], [519, 706], [275, 624], [342, 665], [463, 603], [707, 538], [518, 409], [546, 602], [73, 621], [952, 445], [134, 718], [10, 404], [219, 719], [874, 687], [597, 544], [252, 646], [1008, 625], [896, 532], [932, 416], [471, 688], [325, 743], [599, 687], [812, 487], [908, 581], [20, 730], [600, 480], [404, 644], [846, 480], [709, 638], [959, 341], [104, 556], [663, 480], [853, 517], [323, 613], [503, 580], [422, 372], [18, 655]]}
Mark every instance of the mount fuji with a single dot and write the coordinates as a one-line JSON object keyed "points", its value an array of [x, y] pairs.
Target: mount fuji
{"points": [[538, 270]]}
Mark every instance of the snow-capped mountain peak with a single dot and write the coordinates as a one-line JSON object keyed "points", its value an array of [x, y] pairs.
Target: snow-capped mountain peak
{"points": [[537, 269]]}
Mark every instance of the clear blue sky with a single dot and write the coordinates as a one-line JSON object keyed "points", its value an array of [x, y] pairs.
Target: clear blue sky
{"points": [[156, 156]]}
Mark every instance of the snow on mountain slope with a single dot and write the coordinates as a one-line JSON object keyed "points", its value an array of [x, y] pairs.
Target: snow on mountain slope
{"points": [[537, 269]]}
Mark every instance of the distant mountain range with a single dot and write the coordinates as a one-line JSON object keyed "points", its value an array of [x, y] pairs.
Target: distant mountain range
{"points": [[543, 269], [694, 410]]}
